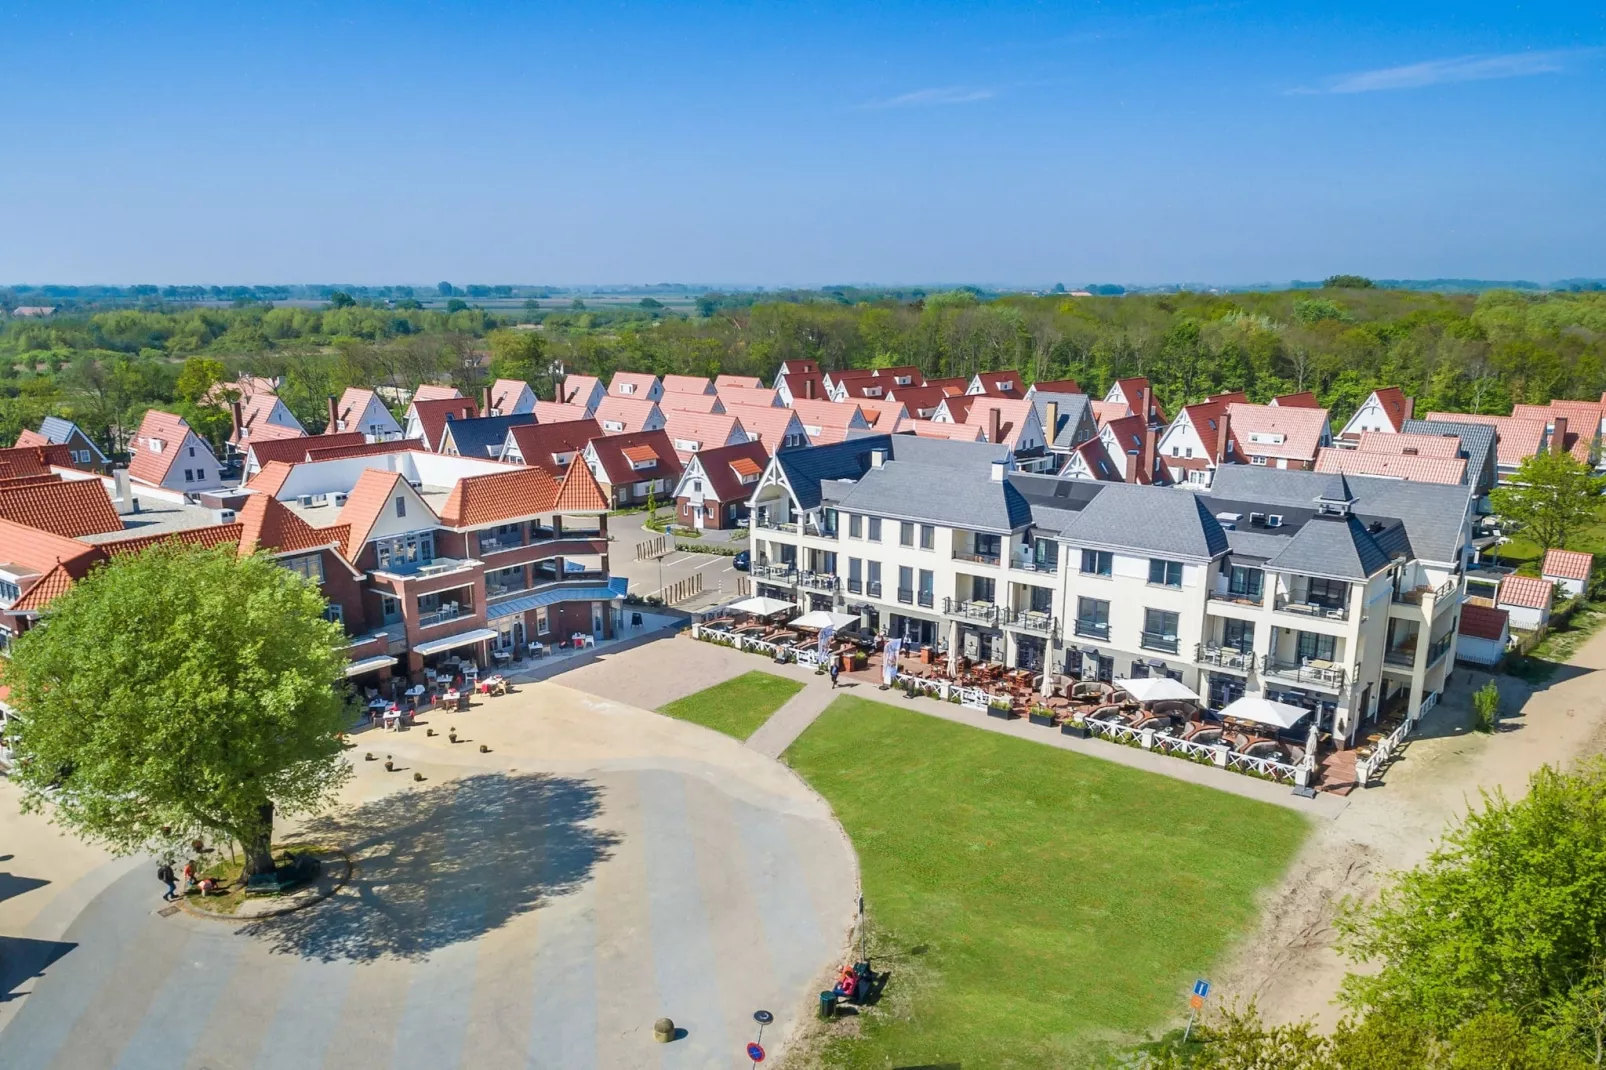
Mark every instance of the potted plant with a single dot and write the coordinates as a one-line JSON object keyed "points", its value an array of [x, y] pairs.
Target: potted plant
{"points": [[1001, 708], [1041, 715], [1075, 726]]}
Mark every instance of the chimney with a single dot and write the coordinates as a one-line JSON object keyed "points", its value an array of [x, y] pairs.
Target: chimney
{"points": [[1558, 437], [1149, 438], [808, 389], [122, 494], [999, 467], [1223, 435], [878, 458], [485, 402], [237, 411], [1143, 405], [1052, 409], [334, 416], [995, 426]]}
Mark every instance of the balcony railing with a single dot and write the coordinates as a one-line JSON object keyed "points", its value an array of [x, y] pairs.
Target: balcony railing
{"points": [[818, 581], [855, 586], [498, 590], [925, 598], [1157, 641], [1034, 621], [1241, 598], [1404, 656], [765, 571], [873, 588], [441, 616], [491, 546], [770, 522], [1320, 610], [1224, 657], [1028, 563], [1307, 673], [906, 595], [978, 559], [1440, 646], [979, 612], [1093, 629]]}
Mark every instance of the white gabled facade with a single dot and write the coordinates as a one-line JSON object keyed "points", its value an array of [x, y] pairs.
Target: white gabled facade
{"points": [[373, 420], [1371, 416]]}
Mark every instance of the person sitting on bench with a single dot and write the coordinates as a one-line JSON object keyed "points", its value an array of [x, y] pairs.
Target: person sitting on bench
{"points": [[846, 984]]}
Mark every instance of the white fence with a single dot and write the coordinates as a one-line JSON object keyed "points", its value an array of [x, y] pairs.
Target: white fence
{"points": [[920, 683], [1367, 768], [1218, 754], [973, 698]]}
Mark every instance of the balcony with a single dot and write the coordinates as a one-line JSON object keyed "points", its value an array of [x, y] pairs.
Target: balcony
{"points": [[1028, 563], [977, 612], [1318, 610], [873, 588], [1166, 644], [1402, 657], [1224, 657], [1416, 595], [491, 546], [1320, 674], [818, 581], [438, 566], [770, 522], [1440, 647], [1240, 598], [782, 572], [1093, 629], [1034, 621], [444, 614], [977, 559], [500, 590]]}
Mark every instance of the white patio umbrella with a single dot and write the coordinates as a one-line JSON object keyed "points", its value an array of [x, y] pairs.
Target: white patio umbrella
{"points": [[1157, 689], [759, 606], [820, 618], [1264, 711]]}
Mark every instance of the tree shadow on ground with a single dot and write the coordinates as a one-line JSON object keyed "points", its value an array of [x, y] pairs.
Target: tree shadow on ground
{"points": [[440, 865]]}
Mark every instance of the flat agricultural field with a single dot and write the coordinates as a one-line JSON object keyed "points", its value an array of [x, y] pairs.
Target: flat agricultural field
{"points": [[736, 707], [1032, 905]]}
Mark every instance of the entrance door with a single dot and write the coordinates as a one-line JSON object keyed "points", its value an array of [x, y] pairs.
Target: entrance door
{"points": [[697, 517], [596, 619], [1106, 668]]}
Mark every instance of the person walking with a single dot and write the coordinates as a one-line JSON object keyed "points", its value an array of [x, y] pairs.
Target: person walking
{"points": [[189, 876], [836, 667], [164, 873]]}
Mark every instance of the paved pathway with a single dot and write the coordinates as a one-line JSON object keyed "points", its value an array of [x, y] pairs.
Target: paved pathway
{"points": [[536, 906], [788, 722]]}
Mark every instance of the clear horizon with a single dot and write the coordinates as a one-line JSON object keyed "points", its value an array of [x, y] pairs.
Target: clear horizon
{"points": [[1237, 141]]}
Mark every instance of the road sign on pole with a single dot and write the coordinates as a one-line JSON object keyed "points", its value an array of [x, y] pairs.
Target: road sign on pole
{"points": [[1201, 992], [1201, 988], [755, 1052]]}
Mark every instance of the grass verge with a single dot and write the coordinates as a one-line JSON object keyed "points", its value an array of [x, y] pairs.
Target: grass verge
{"points": [[226, 871], [736, 707], [1035, 906]]}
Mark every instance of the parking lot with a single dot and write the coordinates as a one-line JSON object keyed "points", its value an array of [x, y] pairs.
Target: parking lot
{"points": [[650, 576]]}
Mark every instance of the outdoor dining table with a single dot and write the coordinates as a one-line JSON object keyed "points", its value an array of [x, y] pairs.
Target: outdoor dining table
{"points": [[393, 719]]}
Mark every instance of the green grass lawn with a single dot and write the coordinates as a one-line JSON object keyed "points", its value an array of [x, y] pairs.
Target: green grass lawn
{"points": [[736, 707], [1035, 906]]}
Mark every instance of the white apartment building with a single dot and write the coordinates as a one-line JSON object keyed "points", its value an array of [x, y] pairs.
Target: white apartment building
{"points": [[1339, 594]]}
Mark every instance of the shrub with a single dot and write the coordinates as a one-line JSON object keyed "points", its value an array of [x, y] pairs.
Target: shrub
{"points": [[1485, 707]]}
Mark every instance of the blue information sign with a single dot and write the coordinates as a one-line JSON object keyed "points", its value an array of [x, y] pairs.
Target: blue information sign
{"points": [[1201, 988]]}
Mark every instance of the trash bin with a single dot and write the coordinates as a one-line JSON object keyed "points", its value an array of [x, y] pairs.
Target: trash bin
{"points": [[828, 1004]]}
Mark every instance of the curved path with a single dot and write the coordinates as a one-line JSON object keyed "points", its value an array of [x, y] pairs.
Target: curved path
{"points": [[537, 906]]}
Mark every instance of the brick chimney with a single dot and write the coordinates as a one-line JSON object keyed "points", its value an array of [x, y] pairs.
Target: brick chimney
{"points": [[485, 402], [1558, 437], [1142, 408], [995, 425], [1151, 435], [1223, 435], [237, 414], [334, 415], [808, 388]]}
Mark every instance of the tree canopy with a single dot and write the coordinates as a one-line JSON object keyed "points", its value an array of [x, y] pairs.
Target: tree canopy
{"points": [[180, 692], [1552, 496]]}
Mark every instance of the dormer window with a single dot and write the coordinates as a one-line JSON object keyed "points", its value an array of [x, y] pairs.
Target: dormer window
{"points": [[627, 388], [612, 425]]}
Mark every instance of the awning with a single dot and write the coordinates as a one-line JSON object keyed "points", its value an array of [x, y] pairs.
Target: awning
{"points": [[1264, 711], [821, 619], [1157, 689], [435, 646], [382, 661], [592, 592], [759, 606]]}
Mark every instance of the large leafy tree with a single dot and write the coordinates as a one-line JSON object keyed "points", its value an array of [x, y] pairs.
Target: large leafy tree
{"points": [[1552, 496], [180, 692]]}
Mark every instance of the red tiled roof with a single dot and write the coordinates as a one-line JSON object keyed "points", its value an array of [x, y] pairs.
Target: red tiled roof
{"points": [[69, 508], [1447, 470], [352, 404], [270, 480], [1408, 443], [24, 481], [267, 524], [555, 412], [642, 381], [1302, 400], [49, 587], [933, 429], [436, 392], [803, 367], [637, 454], [1483, 622], [538, 443], [693, 431], [950, 387], [1396, 406], [611, 450], [1105, 411], [499, 496], [1006, 383], [632, 413], [317, 452], [577, 389], [743, 395], [687, 384], [919, 402], [146, 465], [580, 492], [213, 535], [1058, 386], [1098, 460], [1205, 416], [254, 425], [1567, 564], [364, 504], [746, 466], [834, 419], [433, 413], [884, 415], [40, 551], [1515, 439], [295, 449], [724, 468], [30, 437], [691, 403], [797, 386], [769, 424], [1127, 434], [1013, 413], [1528, 591], [1127, 390], [1301, 431], [21, 461], [748, 381], [505, 393]]}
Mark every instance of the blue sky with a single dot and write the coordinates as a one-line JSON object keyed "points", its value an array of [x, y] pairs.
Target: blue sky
{"points": [[813, 143]]}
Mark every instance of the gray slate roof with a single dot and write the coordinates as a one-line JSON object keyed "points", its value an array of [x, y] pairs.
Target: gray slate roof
{"points": [[1477, 445], [1332, 547], [940, 482], [59, 429], [1075, 412], [1164, 521], [805, 469], [483, 436]]}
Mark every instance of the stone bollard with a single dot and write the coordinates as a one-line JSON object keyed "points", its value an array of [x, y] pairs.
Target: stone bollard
{"points": [[663, 1030]]}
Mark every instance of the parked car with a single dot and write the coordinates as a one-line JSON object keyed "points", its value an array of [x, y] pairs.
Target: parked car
{"points": [[742, 561]]}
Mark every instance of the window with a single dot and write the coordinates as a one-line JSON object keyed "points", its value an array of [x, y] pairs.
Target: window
{"points": [[1165, 573], [1045, 555], [200, 475], [875, 529], [1190, 451], [335, 612], [1330, 593], [1313, 647], [1238, 635], [9, 592], [906, 534], [928, 581], [928, 537], [389, 609], [855, 526], [1159, 630], [308, 567], [192, 451], [1042, 599], [982, 589], [696, 486], [906, 584], [1093, 617], [828, 522], [855, 575], [189, 475], [403, 550], [401, 505], [872, 572], [1246, 583], [542, 624], [1097, 562]]}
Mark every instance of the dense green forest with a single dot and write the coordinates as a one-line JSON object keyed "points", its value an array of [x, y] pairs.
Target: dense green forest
{"points": [[1465, 352]]}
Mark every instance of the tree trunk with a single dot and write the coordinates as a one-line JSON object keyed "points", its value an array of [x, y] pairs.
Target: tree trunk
{"points": [[259, 848]]}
